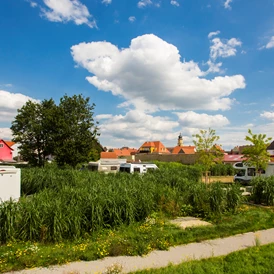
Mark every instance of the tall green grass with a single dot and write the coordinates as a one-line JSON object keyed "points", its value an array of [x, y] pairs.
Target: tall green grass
{"points": [[68, 204], [263, 190]]}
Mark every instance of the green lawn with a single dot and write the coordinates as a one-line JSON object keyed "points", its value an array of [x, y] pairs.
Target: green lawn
{"points": [[258, 260]]}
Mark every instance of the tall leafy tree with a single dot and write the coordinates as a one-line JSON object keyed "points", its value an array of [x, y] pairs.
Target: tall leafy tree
{"points": [[256, 154], [77, 130], [33, 129], [67, 131], [208, 151]]}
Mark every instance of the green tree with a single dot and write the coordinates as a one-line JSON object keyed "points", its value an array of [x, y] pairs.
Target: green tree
{"points": [[256, 154], [31, 130], [208, 151], [67, 131], [77, 131]]}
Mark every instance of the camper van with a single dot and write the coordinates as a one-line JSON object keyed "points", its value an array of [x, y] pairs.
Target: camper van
{"points": [[246, 173], [137, 167], [106, 165]]}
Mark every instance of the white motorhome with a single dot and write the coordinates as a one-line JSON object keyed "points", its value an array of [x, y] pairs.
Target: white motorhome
{"points": [[106, 165], [137, 167], [246, 173]]}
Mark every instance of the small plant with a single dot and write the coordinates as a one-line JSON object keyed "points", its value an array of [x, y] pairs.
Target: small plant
{"points": [[257, 239], [114, 269]]}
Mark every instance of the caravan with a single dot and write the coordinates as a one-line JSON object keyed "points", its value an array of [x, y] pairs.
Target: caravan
{"points": [[246, 173], [137, 167]]}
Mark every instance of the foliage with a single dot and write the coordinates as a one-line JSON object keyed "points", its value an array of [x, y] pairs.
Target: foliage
{"points": [[76, 131], [208, 151], [134, 239], [33, 128], [66, 131], [67, 203], [222, 170], [256, 155], [263, 190]]}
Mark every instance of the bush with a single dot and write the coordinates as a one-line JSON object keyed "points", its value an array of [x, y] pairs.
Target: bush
{"points": [[59, 204], [263, 190]]}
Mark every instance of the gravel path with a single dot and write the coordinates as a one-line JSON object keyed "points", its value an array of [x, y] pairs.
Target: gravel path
{"points": [[156, 259]]}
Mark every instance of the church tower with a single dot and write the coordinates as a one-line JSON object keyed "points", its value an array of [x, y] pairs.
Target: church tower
{"points": [[180, 140]]}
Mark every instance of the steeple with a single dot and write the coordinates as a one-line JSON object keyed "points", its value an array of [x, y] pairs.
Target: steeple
{"points": [[180, 140]]}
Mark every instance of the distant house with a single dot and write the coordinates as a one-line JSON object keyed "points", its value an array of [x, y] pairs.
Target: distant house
{"points": [[181, 149], [6, 150], [270, 149], [108, 155], [232, 158], [155, 147], [125, 152]]}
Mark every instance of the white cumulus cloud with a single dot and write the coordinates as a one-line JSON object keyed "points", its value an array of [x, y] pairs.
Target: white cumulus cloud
{"points": [[132, 19], [5, 133], [174, 3], [135, 126], [224, 48], [150, 75], [9, 104], [144, 3], [213, 33], [227, 4], [67, 10], [203, 120], [270, 44], [32, 3], [106, 2], [268, 115]]}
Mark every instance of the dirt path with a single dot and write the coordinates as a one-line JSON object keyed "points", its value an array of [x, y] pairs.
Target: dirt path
{"points": [[156, 259]]}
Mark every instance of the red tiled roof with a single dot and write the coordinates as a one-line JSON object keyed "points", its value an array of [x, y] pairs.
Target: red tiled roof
{"points": [[108, 155], [9, 143], [156, 145], [233, 158], [184, 149], [124, 152]]}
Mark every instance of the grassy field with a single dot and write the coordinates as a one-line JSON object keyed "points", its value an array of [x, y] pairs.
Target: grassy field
{"points": [[258, 260], [69, 215], [134, 239]]}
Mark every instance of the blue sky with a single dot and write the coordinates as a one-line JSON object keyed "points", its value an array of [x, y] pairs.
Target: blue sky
{"points": [[154, 68]]}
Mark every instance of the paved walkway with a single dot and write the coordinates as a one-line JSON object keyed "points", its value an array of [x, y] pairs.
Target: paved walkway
{"points": [[156, 259]]}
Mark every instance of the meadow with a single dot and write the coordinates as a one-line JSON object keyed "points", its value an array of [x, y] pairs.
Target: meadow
{"points": [[68, 215]]}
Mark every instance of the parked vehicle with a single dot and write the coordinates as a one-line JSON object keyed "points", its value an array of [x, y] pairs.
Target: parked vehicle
{"points": [[245, 173], [137, 167]]}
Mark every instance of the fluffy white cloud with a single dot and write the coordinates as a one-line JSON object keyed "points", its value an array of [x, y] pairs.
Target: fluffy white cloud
{"points": [[144, 3], [270, 44], [213, 33], [224, 48], [227, 4], [68, 10], [150, 76], [9, 104], [203, 120], [214, 67], [132, 19], [32, 3], [268, 115], [5, 133], [134, 127], [107, 2], [174, 3]]}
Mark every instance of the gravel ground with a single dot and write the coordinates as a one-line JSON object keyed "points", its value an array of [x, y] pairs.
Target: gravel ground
{"points": [[156, 259]]}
